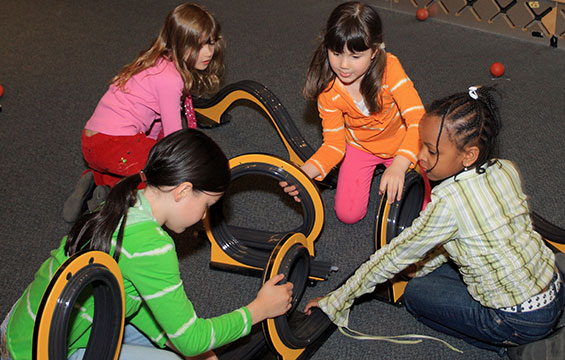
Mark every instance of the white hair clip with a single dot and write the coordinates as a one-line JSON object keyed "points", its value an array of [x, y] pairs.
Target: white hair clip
{"points": [[382, 46], [473, 92]]}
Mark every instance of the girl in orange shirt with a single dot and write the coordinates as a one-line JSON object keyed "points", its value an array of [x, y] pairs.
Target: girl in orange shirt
{"points": [[369, 108]]}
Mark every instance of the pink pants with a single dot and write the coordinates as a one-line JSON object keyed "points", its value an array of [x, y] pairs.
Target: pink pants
{"points": [[354, 184]]}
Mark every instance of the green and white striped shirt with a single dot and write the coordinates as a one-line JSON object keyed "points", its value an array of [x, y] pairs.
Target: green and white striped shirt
{"points": [[483, 223], [155, 299]]}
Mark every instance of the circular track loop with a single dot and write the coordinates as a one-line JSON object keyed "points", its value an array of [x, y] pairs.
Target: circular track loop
{"points": [[280, 170], [289, 334], [393, 218], [98, 271]]}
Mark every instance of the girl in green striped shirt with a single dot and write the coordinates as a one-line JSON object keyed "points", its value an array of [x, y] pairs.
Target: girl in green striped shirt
{"points": [[185, 174]]}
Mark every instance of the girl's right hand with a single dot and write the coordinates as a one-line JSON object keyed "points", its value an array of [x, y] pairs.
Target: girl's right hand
{"points": [[310, 170], [312, 303], [272, 300], [290, 190]]}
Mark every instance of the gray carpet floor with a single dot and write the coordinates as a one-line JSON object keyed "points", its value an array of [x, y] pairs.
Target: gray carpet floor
{"points": [[57, 58]]}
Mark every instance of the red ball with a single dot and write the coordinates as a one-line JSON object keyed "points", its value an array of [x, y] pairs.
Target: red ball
{"points": [[497, 69], [1, 91], [422, 14]]}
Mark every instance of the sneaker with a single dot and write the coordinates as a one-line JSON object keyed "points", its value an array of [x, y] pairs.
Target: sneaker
{"points": [[550, 348], [98, 196], [75, 203]]}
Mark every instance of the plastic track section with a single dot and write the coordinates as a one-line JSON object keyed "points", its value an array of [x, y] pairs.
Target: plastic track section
{"points": [[291, 334], [391, 220], [552, 234], [234, 246], [99, 272], [213, 109]]}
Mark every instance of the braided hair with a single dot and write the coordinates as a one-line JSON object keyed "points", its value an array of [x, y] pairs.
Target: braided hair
{"points": [[470, 118]]}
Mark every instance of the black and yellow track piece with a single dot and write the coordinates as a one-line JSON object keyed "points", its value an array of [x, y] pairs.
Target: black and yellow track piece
{"points": [[99, 271], [554, 236], [292, 335], [247, 248], [391, 219], [213, 110]]}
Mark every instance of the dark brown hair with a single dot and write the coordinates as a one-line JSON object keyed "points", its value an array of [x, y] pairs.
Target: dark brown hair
{"points": [[358, 27], [184, 156], [470, 118]]}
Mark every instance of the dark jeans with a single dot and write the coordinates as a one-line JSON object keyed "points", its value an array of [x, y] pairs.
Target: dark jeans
{"points": [[441, 301]]}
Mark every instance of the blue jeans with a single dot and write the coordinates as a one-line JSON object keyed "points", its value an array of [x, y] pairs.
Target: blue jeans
{"points": [[135, 346], [441, 301]]}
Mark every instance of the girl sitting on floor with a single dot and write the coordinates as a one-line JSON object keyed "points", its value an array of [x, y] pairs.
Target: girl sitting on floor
{"points": [[493, 283]]}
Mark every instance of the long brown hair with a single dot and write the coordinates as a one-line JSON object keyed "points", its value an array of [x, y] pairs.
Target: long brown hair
{"points": [[187, 28], [359, 27]]}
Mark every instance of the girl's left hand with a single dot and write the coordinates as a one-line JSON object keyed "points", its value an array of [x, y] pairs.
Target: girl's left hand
{"points": [[392, 180], [312, 303]]}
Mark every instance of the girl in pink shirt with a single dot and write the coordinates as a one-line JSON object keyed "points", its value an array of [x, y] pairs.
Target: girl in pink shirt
{"points": [[143, 102]]}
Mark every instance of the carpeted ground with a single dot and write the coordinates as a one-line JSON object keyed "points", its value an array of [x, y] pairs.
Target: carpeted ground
{"points": [[56, 61]]}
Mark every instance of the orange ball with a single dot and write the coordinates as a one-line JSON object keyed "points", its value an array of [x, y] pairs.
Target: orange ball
{"points": [[422, 14], [497, 69], [1, 91]]}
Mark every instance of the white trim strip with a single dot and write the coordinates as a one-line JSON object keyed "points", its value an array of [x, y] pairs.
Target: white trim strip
{"points": [[399, 84], [412, 108]]}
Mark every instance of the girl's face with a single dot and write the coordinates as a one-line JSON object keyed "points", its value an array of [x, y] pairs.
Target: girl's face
{"points": [[205, 55], [350, 67], [451, 159], [190, 207]]}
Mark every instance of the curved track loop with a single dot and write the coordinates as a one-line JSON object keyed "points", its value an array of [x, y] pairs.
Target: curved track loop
{"points": [[99, 271], [553, 235], [391, 220], [213, 109], [291, 334], [248, 248]]}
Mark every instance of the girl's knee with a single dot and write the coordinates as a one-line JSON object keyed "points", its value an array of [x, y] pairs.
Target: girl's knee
{"points": [[349, 217], [411, 295]]}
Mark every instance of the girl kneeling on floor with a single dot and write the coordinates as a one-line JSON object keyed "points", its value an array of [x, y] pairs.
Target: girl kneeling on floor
{"points": [[185, 174]]}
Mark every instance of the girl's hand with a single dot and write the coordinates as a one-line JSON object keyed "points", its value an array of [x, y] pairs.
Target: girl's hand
{"points": [[290, 190], [311, 304], [392, 180], [310, 170], [272, 300]]}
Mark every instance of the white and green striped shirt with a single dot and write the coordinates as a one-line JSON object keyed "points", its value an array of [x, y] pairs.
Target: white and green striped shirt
{"points": [[155, 299], [483, 223]]}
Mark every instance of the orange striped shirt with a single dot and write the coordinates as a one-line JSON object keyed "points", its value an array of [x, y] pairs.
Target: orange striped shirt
{"points": [[391, 132]]}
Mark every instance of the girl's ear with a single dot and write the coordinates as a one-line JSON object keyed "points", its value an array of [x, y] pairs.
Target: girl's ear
{"points": [[470, 155], [182, 190]]}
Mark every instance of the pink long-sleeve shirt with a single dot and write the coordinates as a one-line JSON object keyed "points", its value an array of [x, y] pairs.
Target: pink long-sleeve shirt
{"points": [[154, 93]]}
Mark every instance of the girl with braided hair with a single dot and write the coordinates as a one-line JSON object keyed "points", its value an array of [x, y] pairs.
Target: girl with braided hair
{"points": [[487, 276]]}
